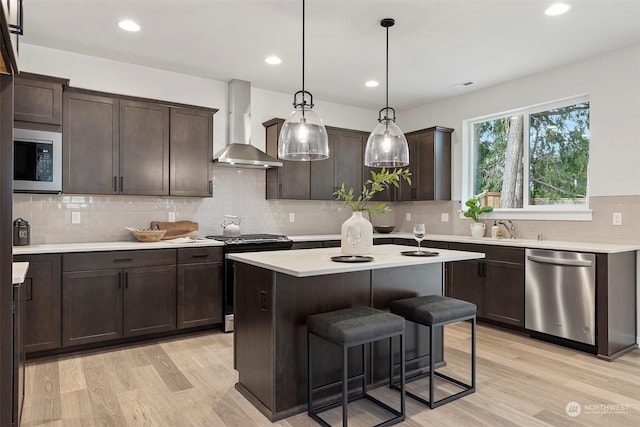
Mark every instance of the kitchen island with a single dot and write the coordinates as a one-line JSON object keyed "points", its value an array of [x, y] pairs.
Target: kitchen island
{"points": [[276, 291]]}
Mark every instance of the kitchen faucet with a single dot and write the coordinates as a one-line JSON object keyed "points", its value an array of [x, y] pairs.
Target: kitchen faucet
{"points": [[510, 227]]}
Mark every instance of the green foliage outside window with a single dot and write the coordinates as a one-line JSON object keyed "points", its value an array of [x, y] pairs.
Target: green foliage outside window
{"points": [[558, 156]]}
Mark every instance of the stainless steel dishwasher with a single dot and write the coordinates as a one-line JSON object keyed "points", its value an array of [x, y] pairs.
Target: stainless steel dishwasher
{"points": [[560, 294]]}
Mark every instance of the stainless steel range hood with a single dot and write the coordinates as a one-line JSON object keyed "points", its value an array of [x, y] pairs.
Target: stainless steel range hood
{"points": [[239, 152]]}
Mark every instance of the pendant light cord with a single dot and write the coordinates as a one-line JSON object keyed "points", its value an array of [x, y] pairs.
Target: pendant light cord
{"points": [[303, 57], [387, 78]]}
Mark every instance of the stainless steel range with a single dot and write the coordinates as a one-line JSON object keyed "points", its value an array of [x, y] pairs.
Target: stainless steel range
{"points": [[244, 243]]}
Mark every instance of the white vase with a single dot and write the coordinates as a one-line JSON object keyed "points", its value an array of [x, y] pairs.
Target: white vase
{"points": [[364, 246], [477, 229]]}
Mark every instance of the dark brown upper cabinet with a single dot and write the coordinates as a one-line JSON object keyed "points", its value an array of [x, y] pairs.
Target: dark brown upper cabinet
{"points": [[191, 145], [90, 143], [38, 99], [344, 165], [430, 165], [119, 145], [144, 148], [292, 180]]}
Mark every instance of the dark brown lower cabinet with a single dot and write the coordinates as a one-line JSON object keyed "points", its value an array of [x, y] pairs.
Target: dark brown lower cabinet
{"points": [[149, 301], [92, 306], [43, 302], [466, 282], [199, 287], [495, 284], [104, 300]]}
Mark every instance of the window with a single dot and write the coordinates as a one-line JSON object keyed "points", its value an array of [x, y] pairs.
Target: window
{"points": [[531, 159]]}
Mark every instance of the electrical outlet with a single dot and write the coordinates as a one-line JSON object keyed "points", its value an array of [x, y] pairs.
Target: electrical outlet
{"points": [[75, 218], [408, 216], [617, 218], [292, 217], [172, 217], [444, 217]]}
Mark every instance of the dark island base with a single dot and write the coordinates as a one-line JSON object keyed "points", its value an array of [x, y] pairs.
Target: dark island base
{"points": [[270, 332]]}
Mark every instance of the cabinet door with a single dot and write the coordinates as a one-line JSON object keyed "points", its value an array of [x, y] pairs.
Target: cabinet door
{"points": [[43, 302], [344, 165], [144, 148], [322, 181], [408, 192], [504, 292], [149, 300], [199, 294], [466, 282], [37, 101], [348, 159], [90, 144], [424, 179], [292, 180], [191, 152], [430, 165], [91, 306]]}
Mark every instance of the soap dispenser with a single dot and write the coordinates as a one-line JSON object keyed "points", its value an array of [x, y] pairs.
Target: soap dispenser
{"points": [[495, 230]]}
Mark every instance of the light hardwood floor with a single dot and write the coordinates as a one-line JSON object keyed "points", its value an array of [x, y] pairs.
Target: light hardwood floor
{"points": [[190, 382]]}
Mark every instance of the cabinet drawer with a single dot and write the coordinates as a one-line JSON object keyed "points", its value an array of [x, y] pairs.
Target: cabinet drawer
{"points": [[199, 255], [117, 259], [492, 253]]}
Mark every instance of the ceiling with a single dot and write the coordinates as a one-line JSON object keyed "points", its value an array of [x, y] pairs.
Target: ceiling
{"points": [[434, 46]]}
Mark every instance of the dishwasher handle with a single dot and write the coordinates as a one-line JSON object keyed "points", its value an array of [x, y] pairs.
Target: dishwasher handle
{"points": [[556, 261]]}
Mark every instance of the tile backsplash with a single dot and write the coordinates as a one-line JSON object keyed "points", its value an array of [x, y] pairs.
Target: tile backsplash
{"points": [[241, 192]]}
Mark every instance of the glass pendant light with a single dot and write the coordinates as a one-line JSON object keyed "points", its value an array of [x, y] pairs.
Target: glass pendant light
{"points": [[387, 146], [303, 136]]}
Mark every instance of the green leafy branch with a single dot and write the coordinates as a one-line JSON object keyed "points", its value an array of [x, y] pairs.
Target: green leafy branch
{"points": [[475, 210], [379, 181]]}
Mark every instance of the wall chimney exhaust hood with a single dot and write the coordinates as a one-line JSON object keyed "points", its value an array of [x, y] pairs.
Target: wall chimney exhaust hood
{"points": [[239, 152]]}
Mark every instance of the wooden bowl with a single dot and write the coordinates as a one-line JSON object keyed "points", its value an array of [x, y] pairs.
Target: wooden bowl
{"points": [[149, 235]]}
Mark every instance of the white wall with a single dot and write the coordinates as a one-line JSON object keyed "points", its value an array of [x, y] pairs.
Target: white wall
{"points": [[128, 79], [613, 83]]}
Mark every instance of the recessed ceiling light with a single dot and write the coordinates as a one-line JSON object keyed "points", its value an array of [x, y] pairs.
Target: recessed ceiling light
{"points": [[372, 83], [128, 25], [272, 60], [557, 9]]}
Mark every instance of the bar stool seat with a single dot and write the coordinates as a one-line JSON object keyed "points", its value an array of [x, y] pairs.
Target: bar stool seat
{"points": [[346, 328], [436, 311]]}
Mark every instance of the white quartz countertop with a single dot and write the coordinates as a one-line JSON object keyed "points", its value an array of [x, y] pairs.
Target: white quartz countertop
{"points": [[19, 272], [185, 243], [316, 262], [522, 243], [113, 246]]}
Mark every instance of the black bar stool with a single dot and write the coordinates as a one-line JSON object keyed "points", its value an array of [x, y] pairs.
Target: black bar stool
{"points": [[436, 311], [348, 328]]}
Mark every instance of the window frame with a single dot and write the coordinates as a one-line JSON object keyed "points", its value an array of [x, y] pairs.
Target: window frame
{"points": [[535, 212]]}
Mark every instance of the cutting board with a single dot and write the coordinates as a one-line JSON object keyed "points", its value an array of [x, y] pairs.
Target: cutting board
{"points": [[177, 229]]}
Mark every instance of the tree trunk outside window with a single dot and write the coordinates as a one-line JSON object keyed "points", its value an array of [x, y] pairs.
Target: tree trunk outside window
{"points": [[511, 194]]}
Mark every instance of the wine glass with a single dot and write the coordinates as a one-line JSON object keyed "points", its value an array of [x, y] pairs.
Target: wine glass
{"points": [[418, 234], [353, 236]]}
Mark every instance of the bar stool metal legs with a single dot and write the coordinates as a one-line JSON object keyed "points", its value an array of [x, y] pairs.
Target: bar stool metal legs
{"points": [[346, 329], [435, 312]]}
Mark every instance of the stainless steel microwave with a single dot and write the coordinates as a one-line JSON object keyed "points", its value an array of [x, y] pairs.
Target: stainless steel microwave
{"points": [[37, 161]]}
